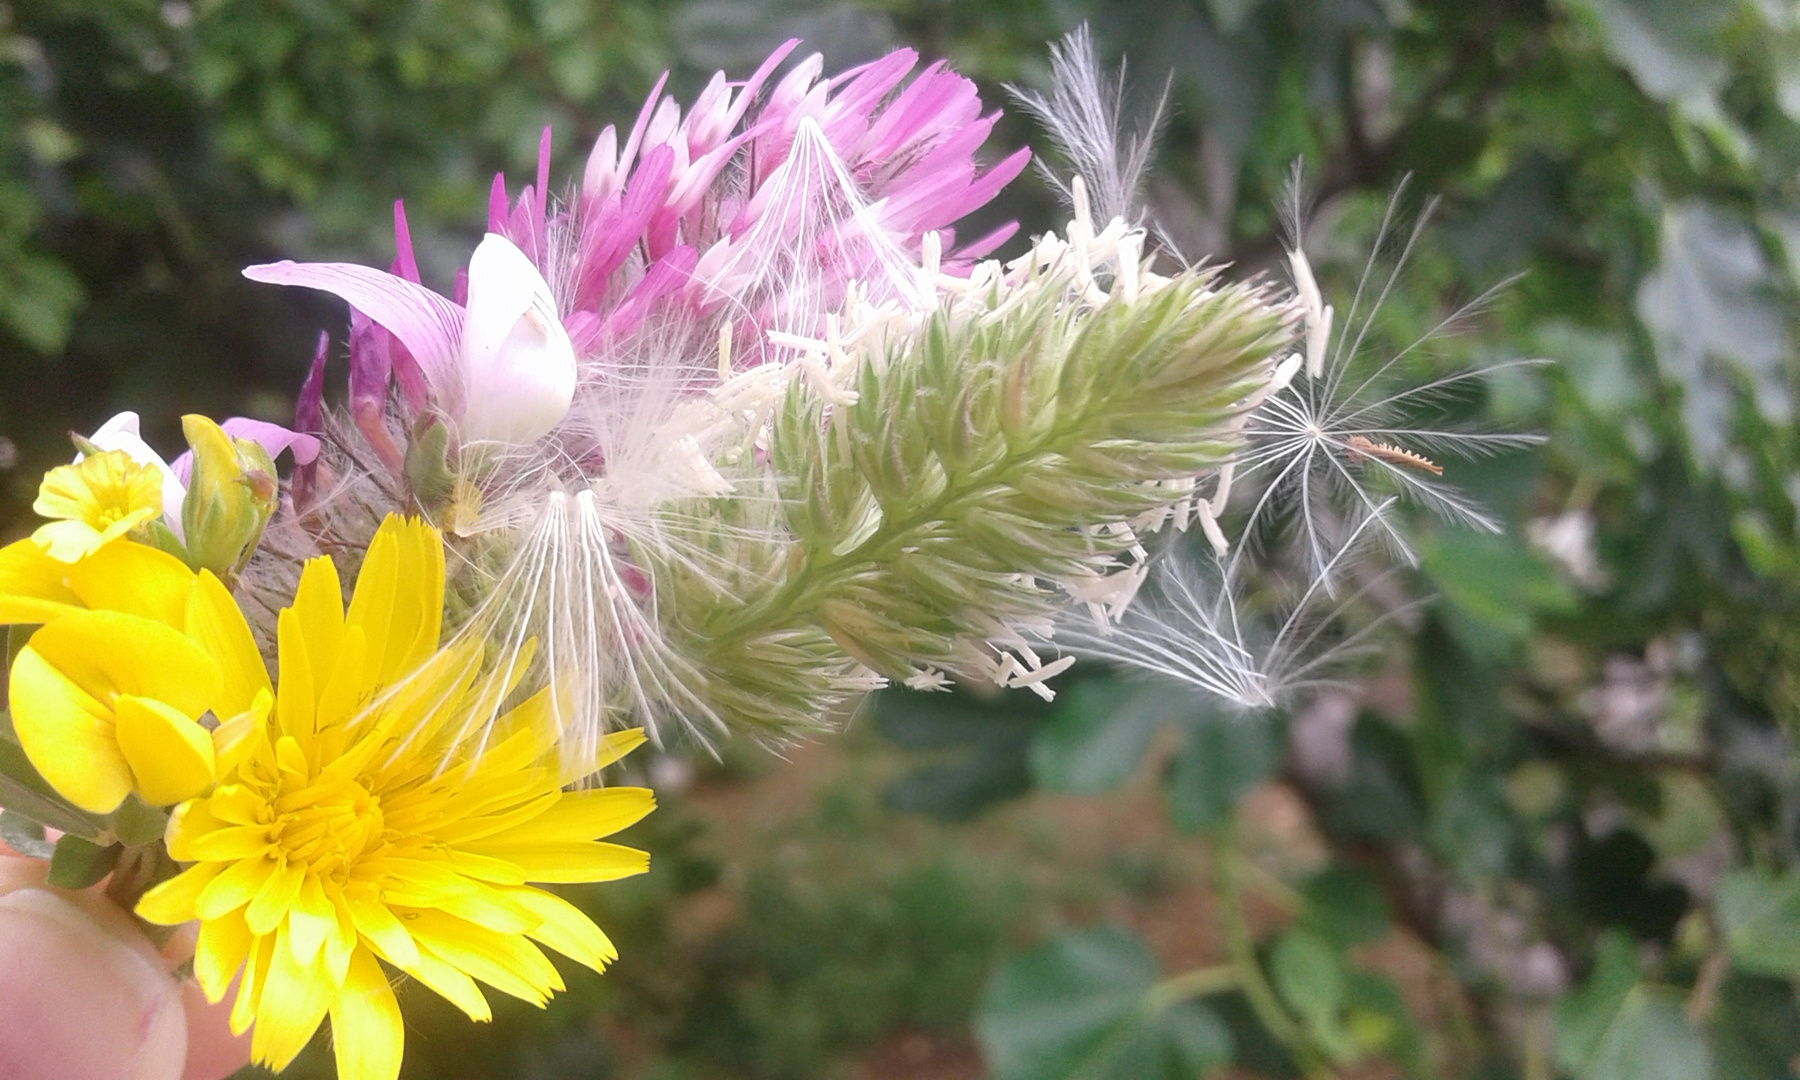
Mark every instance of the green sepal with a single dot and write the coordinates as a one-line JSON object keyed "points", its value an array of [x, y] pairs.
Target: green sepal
{"points": [[136, 822], [24, 835], [78, 863], [428, 470], [157, 534]]}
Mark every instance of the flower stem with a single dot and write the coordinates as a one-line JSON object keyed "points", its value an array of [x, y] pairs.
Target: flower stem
{"points": [[1240, 946]]}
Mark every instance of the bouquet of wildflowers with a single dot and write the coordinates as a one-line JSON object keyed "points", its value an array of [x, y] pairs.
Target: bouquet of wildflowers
{"points": [[735, 429]]}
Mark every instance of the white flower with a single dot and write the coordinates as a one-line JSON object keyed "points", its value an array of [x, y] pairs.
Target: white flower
{"points": [[518, 365]]}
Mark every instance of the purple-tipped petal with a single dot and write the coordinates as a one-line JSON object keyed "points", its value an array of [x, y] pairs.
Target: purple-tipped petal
{"points": [[405, 265], [309, 407], [670, 273], [497, 208], [309, 417], [427, 324]]}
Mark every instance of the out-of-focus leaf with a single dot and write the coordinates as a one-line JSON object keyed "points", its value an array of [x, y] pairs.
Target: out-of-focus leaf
{"points": [[1517, 215], [1495, 581], [1098, 732], [1715, 321], [1223, 757], [1668, 46], [1344, 907], [1754, 1029], [1760, 917], [1077, 1006], [1617, 1028], [1310, 977], [984, 748], [78, 863]]}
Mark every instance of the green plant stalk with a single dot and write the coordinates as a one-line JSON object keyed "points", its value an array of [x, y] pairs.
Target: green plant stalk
{"points": [[1241, 948], [1197, 982]]}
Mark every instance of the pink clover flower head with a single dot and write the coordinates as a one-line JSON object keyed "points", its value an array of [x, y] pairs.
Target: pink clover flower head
{"points": [[755, 210]]}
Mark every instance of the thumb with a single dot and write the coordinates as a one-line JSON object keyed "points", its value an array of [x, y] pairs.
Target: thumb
{"points": [[82, 996]]}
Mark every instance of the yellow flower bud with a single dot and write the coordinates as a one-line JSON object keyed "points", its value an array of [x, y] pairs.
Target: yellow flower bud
{"points": [[230, 496]]}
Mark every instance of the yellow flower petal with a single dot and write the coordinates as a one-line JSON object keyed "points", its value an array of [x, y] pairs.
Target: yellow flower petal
{"points": [[134, 579], [161, 663], [31, 585], [67, 734], [319, 608], [376, 922], [223, 946], [216, 625], [231, 843], [372, 601], [450, 984], [171, 756], [173, 902], [72, 541], [295, 705], [366, 1032], [239, 736], [506, 962], [292, 1006], [583, 815], [568, 863], [617, 745], [271, 903], [562, 926], [256, 971], [311, 919], [241, 883], [188, 824]]}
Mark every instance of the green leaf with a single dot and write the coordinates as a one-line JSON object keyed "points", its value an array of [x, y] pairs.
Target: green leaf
{"points": [[24, 835], [1760, 917], [1098, 732], [1496, 582], [1754, 1029], [1582, 1018], [1223, 758], [78, 863], [983, 748], [1717, 325], [1310, 976], [1344, 907], [1617, 1028], [1078, 1006]]}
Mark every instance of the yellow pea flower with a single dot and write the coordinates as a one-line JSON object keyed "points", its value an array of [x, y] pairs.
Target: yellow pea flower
{"points": [[96, 500], [108, 699], [348, 830]]}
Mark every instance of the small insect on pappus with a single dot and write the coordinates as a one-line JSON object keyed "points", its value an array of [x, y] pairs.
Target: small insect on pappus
{"points": [[1361, 447]]}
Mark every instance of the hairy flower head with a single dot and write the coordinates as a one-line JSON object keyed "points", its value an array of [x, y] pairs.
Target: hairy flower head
{"points": [[336, 840]]}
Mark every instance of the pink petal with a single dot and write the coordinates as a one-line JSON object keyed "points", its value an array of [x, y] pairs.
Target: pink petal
{"points": [[427, 324], [405, 265]]}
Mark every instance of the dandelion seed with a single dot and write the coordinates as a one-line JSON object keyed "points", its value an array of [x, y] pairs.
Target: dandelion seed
{"points": [[1318, 446], [1194, 626]]}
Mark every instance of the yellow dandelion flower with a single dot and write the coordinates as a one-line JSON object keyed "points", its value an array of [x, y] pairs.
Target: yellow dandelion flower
{"points": [[339, 840], [95, 501]]}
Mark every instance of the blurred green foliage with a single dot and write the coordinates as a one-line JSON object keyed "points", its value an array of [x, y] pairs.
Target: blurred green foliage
{"points": [[1572, 793]]}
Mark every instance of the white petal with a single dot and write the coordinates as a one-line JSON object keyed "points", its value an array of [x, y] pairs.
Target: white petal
{"points": [[518, 364], [121, 433]]}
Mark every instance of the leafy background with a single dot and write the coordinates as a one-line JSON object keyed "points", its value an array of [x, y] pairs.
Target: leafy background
{"points": [[1552, 833]]}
